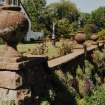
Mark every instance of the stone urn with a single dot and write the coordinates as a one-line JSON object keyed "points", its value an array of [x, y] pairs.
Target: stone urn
{"points": [[94, 37], [13, 28], [80, 37]]}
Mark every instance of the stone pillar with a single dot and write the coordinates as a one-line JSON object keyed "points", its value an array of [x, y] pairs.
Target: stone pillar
{"points": [[19, 80], [12, 80]]}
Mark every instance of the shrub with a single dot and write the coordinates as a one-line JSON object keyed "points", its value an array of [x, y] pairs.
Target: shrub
{"points": [[98, 97], [42, 49], [101, 34], [45, 103], [98, 58], [65, 49], [1, 41], [63, 27], [81, 102], [89, 29]]}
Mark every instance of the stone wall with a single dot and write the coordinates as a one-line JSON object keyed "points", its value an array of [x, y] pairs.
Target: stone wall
{"points": [[31, 80], [24, 82]]}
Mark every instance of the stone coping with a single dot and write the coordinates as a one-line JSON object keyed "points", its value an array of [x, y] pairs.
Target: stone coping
{"points": [[9, 65], [64, 59]]}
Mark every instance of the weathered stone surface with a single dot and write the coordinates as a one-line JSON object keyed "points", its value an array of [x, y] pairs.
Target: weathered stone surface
{"points": [[80, 37], [6, 94], [20, 97], [12, 60], [12, 66], [10, 80], [15, 20], [25, 84]]}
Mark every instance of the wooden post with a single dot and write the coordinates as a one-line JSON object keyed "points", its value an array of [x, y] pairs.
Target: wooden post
{"points": [[85, 51], [85, 55]]}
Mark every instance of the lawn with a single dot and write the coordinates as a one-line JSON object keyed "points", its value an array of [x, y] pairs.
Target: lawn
{"points": [[47, 49], [31, 48], [51, 51]]}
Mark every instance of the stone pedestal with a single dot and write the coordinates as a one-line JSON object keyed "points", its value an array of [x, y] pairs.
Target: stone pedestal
{"points": [[18, 79], [21, 78]]}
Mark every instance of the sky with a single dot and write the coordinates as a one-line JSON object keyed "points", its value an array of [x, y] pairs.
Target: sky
{"points": [[85, 5]]}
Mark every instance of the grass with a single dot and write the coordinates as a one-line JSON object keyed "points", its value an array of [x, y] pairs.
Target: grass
{"points": [[46, 49], [51, 53], [27, 48]]}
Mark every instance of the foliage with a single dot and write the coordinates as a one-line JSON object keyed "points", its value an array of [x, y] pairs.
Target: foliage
{"points": [[58, 13], [34, 9], [97, 98], [101, 34], [65, 49], [1, 41], [64, 9], [63, 27], [89, 29], [88, 69], [84, 19], [81, 102], [98, 58], [45, 103], [67, 9], [65, 94], [39, 50], [98, 17]]}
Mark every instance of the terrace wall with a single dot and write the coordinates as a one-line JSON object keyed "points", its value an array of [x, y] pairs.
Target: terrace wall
{"points": [[26, 83]]}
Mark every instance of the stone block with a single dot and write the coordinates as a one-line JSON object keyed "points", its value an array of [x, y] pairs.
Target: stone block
{"points": [[18, 97], [12, 66], [6, 94], [10, 80], [13, 59]]}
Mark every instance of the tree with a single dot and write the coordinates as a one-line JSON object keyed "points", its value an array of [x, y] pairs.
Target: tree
{"points": [[98, 17], [63, 26], [90, 28], [59, 12], [34, 8], [85, 19], [65, 9], [101, 34]]}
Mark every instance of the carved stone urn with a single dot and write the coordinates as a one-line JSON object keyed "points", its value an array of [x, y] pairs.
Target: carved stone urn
{"points": [[13, 27], [94, 37], [80, 37]]}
